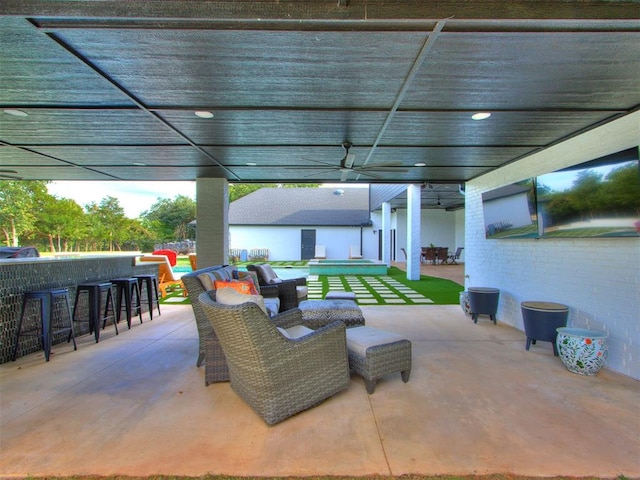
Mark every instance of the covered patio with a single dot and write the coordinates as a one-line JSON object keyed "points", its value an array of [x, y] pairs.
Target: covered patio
{"points": [[476, 403]]}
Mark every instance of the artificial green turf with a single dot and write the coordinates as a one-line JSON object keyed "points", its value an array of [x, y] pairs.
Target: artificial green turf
{"points": [[439, 290]]}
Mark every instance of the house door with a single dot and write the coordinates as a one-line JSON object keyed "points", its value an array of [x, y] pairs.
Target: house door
{"points": [[392, 245], [307, 244]]}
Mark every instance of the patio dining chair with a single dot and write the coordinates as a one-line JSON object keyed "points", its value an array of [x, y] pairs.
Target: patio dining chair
{"points": [[442, 254], [454, 257], [428, 255], [276, 373]]}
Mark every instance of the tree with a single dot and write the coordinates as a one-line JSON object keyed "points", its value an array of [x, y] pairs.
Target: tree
{"points": [[239, 190], [61, 221], [18, 199], [108, 223], [170, 218], [592, 196], [621, 190]]}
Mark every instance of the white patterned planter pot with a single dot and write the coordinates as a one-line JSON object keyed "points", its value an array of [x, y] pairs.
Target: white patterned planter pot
{"points": [[464, 302], [582, 351]]}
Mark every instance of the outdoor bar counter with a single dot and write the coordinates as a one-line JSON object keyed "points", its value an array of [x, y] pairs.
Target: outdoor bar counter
{"points": [[21, 275]]}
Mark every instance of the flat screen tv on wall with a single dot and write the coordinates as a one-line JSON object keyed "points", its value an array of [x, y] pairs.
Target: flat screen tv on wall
{"points": [[599, 198], [510, 211]]}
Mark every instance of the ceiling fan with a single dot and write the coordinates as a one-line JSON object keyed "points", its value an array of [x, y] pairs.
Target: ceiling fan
{"points": [[5, 174], [347, 166]]}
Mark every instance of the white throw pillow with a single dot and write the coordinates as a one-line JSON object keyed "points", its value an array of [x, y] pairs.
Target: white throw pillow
{"points": [[206, 279], [229, 296], [268, 274], [296, 331]]}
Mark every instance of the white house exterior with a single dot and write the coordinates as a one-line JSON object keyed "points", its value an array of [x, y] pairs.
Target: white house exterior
{"points": [[280, 219], [275, 219]]}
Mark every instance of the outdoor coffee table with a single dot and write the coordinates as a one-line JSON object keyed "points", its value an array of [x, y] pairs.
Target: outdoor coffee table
{"points": [[374, 353], [318, 313]]}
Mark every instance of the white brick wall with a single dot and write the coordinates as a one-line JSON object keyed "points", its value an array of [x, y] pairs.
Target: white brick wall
{"points": [[599, 279]]}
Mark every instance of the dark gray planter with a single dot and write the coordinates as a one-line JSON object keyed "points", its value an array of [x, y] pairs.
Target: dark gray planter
{"points": [[541, 319], [483, 301]]}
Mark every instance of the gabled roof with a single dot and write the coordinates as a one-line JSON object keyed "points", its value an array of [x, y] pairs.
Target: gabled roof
{"points": [[302, 206], [506, 191]]}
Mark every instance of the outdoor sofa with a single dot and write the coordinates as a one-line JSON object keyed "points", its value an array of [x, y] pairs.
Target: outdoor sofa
{"points": [[210, 353]]}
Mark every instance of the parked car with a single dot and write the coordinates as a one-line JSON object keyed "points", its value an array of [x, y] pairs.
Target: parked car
{"points": [[18, 252]]}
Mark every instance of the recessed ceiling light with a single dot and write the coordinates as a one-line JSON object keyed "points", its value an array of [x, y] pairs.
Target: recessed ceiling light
{"points": [[251, 164], [16, 113], [481, 115], [420, 164], [203, 114]]}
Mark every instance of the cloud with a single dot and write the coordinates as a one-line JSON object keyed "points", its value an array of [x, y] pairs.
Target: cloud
{"points": [[134, 197]]}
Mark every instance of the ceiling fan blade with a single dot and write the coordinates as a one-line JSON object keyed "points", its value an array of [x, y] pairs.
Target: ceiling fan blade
{"points": [[344, 175], [348, 160], [384, 165], [380, 169], [367, 174], [321, 163], [320, 173]]}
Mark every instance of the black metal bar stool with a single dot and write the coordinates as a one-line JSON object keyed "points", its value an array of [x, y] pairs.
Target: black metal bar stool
{"points": [[95, 291], [44, 330], [150, 282], [127, 288]]}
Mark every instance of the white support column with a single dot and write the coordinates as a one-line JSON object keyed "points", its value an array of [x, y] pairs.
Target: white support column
{"points": [[413, 232], [386, 233], [212, 227]]}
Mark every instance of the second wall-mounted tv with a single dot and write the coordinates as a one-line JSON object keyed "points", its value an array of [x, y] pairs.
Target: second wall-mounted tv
{"points": [[510, 211], [599, 198]]}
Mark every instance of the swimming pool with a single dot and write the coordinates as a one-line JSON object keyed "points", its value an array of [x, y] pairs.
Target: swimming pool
{"points": [[347, 267]]}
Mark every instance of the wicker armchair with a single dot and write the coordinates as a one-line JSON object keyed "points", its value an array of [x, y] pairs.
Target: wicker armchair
{"points": [[291, 291], [209, 351], [275, 375]]}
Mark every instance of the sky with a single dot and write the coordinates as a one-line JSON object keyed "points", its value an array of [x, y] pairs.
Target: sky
{"points": [[561, 181], [134, 197]]}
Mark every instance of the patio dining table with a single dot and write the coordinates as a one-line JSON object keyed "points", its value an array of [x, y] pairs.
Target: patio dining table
{"points": [[435, 255]]}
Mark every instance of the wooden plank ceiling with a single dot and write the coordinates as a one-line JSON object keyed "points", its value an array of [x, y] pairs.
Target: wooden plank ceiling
{"points": [[108, 90]]}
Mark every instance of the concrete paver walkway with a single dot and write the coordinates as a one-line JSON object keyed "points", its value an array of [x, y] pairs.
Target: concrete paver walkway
{"points": [[476, 403]]}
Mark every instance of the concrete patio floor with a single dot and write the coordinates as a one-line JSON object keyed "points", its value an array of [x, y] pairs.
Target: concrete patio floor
{"points": [[476, 403]]}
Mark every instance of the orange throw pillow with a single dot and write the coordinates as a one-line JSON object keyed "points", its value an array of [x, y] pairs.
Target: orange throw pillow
{"points": [[242, 286]]}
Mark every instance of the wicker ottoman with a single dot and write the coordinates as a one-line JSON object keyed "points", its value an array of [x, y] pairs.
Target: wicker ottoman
{"points": [[318, 313], [340, 295], [374, 353]]}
